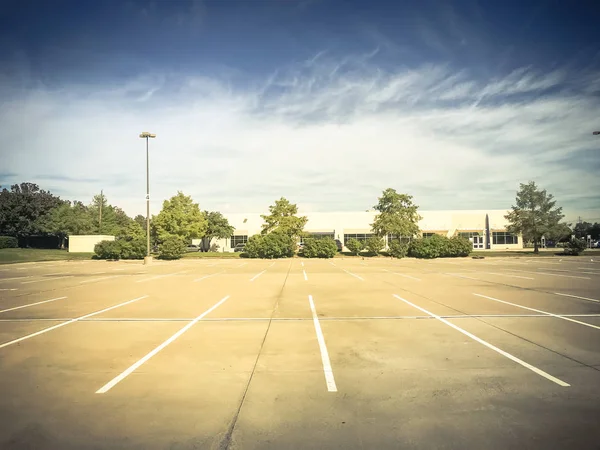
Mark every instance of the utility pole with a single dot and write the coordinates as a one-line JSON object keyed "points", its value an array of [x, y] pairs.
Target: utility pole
{"points": [[100, 211], [146, 135]]}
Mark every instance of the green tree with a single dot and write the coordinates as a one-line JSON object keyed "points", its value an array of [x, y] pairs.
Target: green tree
{"points": [[283, 219], [217, 227], [180, 216], [141, 220], [65, 220], [22, 207], [582, 230], [561, 233], [113, 219], [132, 231], [534, 215], [374, 245], [397, 216], [355, 246]]}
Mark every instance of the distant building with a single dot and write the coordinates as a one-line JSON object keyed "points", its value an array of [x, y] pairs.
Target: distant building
{"points": [[484, 233]]}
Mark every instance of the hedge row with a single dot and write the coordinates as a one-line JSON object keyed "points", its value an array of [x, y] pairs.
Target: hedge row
{"points": [[438, 246], [121, 249], [8, 242], [319, 248], [273, 245]]}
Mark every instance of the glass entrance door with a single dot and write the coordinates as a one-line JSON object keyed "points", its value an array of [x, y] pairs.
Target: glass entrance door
{"points": [[478, 242]]}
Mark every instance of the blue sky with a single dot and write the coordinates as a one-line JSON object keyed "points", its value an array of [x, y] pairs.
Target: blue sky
{"points": [[325, 102]]}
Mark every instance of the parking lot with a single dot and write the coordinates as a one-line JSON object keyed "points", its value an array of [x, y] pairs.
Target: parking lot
{"points": [[338, 354]]}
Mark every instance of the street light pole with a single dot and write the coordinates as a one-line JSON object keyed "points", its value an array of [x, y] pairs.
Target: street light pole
{"points": [[147, 135]]}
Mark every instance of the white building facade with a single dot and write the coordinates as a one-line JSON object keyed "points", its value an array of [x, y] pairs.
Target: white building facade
{"points": [[485, 229]]}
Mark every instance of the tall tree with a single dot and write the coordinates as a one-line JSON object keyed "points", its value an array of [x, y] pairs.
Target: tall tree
{"points": [[180, 216], [141, 220], [65, 220], [217, 227], [534, 215], [22, 206], [283, 219], [397, 216], [114, 219], [584, 229]]}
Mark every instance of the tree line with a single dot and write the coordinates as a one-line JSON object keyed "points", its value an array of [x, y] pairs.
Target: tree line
{"points": [[26, 211]]}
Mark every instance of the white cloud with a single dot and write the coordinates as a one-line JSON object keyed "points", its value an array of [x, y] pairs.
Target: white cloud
{"points": [[327, 134]]}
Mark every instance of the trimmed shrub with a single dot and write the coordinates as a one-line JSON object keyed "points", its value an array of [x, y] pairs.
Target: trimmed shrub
{"points": [[8, 242], [108, 250], [355, 246], [398, 249], [374, 245], [574, 247], [172, 247], [133, 249], [438, 246], [460, 246], [269, 246], [319, 248]]}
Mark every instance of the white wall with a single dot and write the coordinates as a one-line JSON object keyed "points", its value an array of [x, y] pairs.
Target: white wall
{"points": [[86, 243], [444, 222]]}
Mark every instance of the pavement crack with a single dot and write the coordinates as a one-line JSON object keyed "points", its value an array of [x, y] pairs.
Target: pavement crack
{"points": [[226, 441]]}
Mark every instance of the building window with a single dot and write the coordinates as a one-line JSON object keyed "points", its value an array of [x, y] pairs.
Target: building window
{"points": [[469, 234], [239, 239], [359, 237], [428, 235], [504, 238], [317, 235]]}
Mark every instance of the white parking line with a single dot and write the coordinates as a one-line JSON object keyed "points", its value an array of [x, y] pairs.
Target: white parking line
{"points": [[348, 272], [46, 279], [242, 264], [15, 278], [112, 383], [577, 296], [45, 330], [461, 276], [305, 277], [7, 289], [208, 276], [160, 276], [98, 279], [403, 275], [327, 370], [550, 274], [507, 275], [257, 275], [488, 345], [31, 304], [538, 311], [570, 271]]}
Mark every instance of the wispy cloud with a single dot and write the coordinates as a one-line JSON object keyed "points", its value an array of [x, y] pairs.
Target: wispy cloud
{"points": [[329, 132]]}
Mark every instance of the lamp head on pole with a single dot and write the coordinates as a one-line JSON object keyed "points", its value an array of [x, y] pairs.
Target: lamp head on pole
{"points": [[596, 133], [146, 134]]}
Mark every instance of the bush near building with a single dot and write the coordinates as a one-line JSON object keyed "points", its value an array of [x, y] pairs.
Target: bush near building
{"points": [[574, 247], [439, 247], [397, 249], [269, 246], [108, 250], [374, 245], [172, 247], [121, 249], [355, 246], [8, 242], [319, 248]]}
